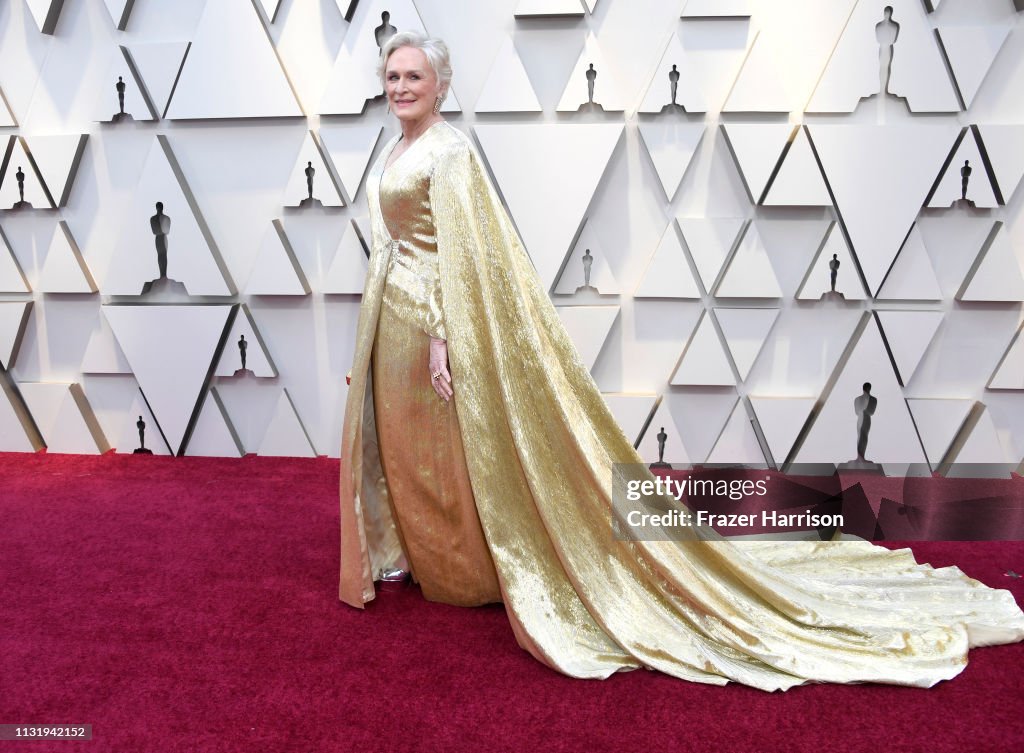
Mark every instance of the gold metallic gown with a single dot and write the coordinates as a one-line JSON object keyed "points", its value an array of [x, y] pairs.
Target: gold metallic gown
{"points": [[524, 454]]}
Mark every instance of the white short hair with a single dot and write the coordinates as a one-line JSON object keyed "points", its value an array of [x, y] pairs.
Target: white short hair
{"points": [[435, 50]]}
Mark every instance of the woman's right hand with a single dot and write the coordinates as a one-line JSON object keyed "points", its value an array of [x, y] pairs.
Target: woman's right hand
{"points": [[439, 366]]}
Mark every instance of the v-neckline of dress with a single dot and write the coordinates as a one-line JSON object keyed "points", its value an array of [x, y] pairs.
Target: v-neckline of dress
{"points": [[394, 146]]}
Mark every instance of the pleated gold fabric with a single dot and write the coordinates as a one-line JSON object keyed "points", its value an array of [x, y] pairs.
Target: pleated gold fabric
{"points": [[539, 444]]}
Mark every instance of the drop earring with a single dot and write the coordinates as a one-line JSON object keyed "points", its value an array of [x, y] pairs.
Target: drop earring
{"points": [[437, 105]]}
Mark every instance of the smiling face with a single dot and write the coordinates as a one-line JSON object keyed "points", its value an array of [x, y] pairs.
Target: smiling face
{"points": [[411, 84]]}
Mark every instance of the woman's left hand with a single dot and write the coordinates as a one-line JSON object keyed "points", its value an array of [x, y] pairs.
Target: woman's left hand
{"points": [[439, 366]]}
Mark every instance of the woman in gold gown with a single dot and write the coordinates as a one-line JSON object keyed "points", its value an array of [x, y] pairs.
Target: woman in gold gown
{"points": [[477, 449]]}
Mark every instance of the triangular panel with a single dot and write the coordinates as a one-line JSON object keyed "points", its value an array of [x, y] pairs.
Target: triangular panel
{"points": [[799, 182], [1009, 374], [277, 270], [996, 275], [214, 435], [244, 337], [668, 274], [908, 335], [757, 148], [534, 8], [57, 158], [350, 148], [588, 327], [19, 165], [133, 437], [314, 188], [965, 178], [286, 436], [508, 88], [12, 278], [710, 239], [171, 351], [671, 145], [232, 46], [818, 280], [347, 273], [120, 81], [880, 176], [938, 422], [631, 411], [1005, 147], [750, 273], [704, 362], [13, 321], [745, 332], [526, 157], [781, 420], [64, 417], [737, 444], [159, 66], [65, 270], [592, 70], [588, 251], [192, 256], [103, 354], [971, 50], [688, 93], [664, 420], [912, 277]]}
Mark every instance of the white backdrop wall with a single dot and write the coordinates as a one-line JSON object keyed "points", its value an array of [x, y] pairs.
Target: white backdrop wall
{"points": [[773, 382]]}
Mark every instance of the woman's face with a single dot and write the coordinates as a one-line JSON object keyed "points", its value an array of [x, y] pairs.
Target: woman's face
{"points": [[411, 84]]}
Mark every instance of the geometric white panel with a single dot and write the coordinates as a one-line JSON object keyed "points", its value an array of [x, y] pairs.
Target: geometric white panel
{"points": [[799, 182], [983, 445], [710, 239], [745, 332], [35, 193], [998, 274], [320, 185], [45, 13], [663, 421], [524, 158], [818, 280], [13, 320], [880, 176], [108, 107], [508, 88], [908, 335], [103, 354], [277, 270], [257, 359], [892, 437], [704, 361], [12, 279], [574, 274], [592, 68], [1005, 147], [912, 277], [1009, 374], [213, 434], [781, 419], [671, 145], [938, 422], [270, 8], [286, 437], [918, 71], [57, 158], [591, 4], [630, 411], [757, 148], [588, 328], [978, 188], [350, 148], [668, 274], [347, 273], [771, 80], [971, 51], [15, 427], [64, 418], [688, 95], [750, 273], [191, 259], [158, 65], [64, 270], [231, 46], [718, 8], [128, 441], [353, 80], [6, 116], [529, 8], [737, 444], [170, 349], [119, 11]]}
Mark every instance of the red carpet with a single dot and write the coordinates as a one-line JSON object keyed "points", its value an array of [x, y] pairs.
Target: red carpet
{"points": [[190, 604]]}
